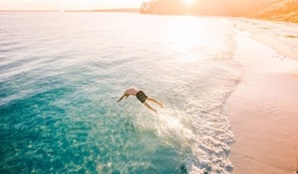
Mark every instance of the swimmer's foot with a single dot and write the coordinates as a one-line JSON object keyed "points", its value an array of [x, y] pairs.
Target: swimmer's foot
{"points": [[161, 105]]}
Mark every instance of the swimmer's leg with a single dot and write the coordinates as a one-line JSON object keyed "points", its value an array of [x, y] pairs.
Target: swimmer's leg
{"points": [[155, 101], [148, 106]]}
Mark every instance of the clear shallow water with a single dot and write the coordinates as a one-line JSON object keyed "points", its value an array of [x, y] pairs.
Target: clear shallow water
{"points": [[61, 74]]}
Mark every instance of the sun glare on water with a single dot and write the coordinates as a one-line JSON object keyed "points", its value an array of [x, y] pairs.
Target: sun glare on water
{"points": [[186, 34]]}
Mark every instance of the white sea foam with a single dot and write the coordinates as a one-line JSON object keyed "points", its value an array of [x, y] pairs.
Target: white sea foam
{"points": [[199, 120]]}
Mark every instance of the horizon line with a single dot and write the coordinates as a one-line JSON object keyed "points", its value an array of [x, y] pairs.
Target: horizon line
{"points": [[57, 10]]}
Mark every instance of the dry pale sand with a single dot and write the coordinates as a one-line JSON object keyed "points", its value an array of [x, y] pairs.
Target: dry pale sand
{"points": [[263, 111]]}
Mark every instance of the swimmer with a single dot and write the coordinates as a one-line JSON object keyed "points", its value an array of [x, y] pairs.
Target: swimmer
{"points": [[142, 97]]}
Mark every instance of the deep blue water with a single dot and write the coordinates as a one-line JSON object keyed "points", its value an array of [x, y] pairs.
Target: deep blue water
{"points": [[62, 73]]}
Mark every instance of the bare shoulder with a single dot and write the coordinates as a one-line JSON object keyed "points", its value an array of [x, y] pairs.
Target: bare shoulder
{"points": [[131, 91]]}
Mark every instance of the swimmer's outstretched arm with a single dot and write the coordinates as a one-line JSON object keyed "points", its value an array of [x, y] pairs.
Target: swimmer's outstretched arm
{"points": [[124, 95]]}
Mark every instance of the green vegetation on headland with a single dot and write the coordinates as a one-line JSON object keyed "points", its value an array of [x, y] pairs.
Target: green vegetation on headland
{"points": [[286, 10], [278, 10]]}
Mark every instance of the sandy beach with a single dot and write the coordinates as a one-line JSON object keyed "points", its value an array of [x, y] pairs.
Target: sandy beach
{"points": [[263, 109]]}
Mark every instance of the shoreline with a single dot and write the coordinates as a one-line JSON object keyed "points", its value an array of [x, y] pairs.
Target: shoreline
{"points": [[288, 50], [263, 111]]}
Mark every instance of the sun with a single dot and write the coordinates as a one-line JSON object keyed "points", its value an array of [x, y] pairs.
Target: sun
{"points": [[188, 1]]}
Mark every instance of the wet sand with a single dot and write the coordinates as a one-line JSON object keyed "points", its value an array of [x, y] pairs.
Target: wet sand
{"points": [[263, 111]]}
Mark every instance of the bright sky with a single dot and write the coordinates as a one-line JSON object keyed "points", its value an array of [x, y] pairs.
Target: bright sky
{"points": [[67, 4]]}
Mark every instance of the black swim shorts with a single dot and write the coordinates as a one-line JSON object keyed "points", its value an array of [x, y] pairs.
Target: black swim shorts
{"points": [[141, 96]]}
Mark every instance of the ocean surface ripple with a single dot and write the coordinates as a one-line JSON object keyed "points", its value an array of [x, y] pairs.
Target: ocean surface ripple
{"points": [[62, 73]]}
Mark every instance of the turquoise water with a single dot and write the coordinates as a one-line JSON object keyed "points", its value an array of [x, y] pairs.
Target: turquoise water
{"points": [[62, 73]]}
